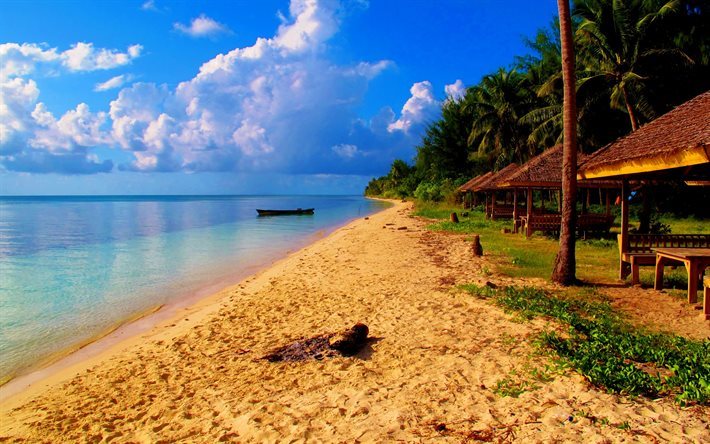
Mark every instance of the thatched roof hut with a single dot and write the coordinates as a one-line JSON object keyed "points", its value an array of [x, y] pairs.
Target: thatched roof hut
{"points": [[493, 181], [468, 186], [545, 171], [677, 144]]}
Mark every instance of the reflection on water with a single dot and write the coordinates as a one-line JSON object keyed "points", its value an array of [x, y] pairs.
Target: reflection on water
{"points": [[71, 267]]}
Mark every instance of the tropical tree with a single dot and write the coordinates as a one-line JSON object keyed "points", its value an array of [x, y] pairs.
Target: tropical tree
{"points": [[620, 49], [564, 271], [444, 152], [497, 104]]}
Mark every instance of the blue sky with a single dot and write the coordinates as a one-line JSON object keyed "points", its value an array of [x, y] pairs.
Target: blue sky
{"points": [[223, 97]]}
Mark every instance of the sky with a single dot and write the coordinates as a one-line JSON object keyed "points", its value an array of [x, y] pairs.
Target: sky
{"points": [[235, 97]]}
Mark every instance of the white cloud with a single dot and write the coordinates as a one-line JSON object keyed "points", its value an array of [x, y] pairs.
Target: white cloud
{"points": [[113, 82], [76, 129], [419, 108], [315, 22], [84, 57], [17, 60], [455, 91], [202, 26], [17, 99], [149, 5], [279, 105], [345, 150], [21, 60]]}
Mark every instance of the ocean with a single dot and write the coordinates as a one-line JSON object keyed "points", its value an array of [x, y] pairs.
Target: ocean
{"points": [[71, 268]]}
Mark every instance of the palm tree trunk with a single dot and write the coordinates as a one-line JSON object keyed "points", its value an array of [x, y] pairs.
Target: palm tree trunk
{"points": [[565, 265], [630, 110]]}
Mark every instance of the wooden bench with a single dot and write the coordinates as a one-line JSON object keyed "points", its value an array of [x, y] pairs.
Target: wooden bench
{"points": [[548, 223], [595, 223], [501, 212], [640, 250]]}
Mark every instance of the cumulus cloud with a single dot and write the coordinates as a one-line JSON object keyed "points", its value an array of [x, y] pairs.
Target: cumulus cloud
{"points": [[31, 137], [24, 59], [113, 82], [280, 105], [345, 150], [202, 26], [421, 107], [75, 130], [57, 145], [17, 100], [84, 57], [455, 91]]}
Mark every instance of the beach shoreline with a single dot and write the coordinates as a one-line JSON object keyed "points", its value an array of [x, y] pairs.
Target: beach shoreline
{"points": [[437, 356], [54, 367]]}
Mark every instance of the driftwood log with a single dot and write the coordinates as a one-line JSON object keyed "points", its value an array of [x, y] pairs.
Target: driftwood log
{"points": [[346, 343], [351, 340], [454, 218], [476, 247]]}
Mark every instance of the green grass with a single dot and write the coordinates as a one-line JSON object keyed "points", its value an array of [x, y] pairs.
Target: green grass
{"points": [[517, 256], [603, 347]]}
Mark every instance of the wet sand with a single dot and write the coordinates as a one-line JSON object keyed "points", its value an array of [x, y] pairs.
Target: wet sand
{"points": [[434, 369]]}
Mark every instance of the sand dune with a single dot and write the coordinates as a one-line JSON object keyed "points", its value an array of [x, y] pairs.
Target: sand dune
{"points": [[429, 374]]}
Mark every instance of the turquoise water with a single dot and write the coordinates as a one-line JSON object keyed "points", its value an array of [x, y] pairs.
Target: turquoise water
{"points": [[72, 267]]}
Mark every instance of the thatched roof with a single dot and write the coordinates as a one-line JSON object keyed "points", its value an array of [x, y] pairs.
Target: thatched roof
{"points": [[491, 183], [545, 171], [468, 186], [679, 138]]}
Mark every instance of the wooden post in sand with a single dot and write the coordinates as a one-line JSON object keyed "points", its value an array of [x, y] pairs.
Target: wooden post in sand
{"points": [[477, 248]]}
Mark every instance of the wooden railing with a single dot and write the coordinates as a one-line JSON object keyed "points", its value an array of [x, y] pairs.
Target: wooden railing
{"points": [[550, 223]]}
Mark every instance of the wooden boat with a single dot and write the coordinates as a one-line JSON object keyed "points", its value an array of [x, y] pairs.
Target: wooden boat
{"points": [[285, 212]]}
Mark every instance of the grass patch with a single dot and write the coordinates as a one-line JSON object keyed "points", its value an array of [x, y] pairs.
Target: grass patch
{"points": [[517, 256], [606, 350], [600, 345]]}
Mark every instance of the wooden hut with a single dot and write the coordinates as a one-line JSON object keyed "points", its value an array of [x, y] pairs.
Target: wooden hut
{"points": [[675, 146], [469, 196], [490, 188], [544, 172]]}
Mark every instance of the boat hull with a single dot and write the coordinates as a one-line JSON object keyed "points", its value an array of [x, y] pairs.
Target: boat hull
{"points": [[298, 211]]}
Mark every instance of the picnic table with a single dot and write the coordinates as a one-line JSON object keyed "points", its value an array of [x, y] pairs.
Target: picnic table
{"points": [[696, 260]]}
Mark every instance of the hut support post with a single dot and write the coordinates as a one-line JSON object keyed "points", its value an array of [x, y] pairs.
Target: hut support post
{"points": [[559, 201], [493, 204], [528, 230], [515, 210], [624, 268], [608, 205]]}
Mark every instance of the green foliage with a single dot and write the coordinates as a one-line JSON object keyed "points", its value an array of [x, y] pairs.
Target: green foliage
{"points": [[636, 59], [606, 350]]}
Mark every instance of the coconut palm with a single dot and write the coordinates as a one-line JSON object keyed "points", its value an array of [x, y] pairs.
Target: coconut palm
{"points": [[497, 105], [619, 49], [564, 271]]}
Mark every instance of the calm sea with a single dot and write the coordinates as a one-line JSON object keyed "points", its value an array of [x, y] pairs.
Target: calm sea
{"points": [[73, 267]]}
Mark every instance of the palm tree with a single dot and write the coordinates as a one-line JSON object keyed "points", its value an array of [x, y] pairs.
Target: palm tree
{"points": [[616, 38], [565, 265], [497, 105]]}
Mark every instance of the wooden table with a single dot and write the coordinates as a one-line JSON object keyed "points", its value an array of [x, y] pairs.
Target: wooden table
{"points": [[696, 260]]}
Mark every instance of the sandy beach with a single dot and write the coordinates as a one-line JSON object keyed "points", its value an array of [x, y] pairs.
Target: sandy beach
{"points": [[429, 374]]}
